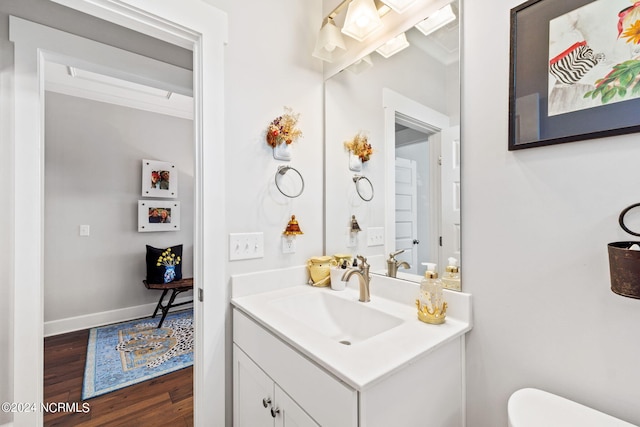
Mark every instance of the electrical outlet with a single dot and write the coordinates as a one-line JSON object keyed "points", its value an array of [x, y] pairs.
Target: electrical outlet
{"points": [[352, 238], [375, 236], [288, 244], [246, 246]]}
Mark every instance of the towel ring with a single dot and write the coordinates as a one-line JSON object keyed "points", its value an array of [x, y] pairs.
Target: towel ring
{"points": [[358, 178], [283, 170]]}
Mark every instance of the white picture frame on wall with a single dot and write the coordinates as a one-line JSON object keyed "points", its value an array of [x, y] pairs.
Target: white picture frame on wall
{"points": [[159, 179], [158, 215]]}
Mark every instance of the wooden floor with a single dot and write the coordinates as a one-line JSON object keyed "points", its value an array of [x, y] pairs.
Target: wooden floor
{"points": [[163, 401]]}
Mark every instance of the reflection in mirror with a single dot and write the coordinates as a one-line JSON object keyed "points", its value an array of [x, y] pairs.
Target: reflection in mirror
{"points": [[409, 106], [364, 188]]}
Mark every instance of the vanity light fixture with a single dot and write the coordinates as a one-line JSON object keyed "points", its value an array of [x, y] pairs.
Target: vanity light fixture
{"points": [[360, 65], [330, 44], [436, 21], [362, 19], [393, 46], [399, 5]]}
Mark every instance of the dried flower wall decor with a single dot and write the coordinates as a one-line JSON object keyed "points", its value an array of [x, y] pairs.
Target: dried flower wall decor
{"points": [[283, 129], [359, 146]]}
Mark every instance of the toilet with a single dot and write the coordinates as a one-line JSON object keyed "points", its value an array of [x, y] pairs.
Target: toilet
{"points": [[530, 407]]}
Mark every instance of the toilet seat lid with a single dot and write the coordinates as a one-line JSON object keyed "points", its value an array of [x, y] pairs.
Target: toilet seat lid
{"points": [[530, 407]]}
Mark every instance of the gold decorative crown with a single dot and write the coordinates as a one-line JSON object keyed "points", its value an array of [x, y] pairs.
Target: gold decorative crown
{"points": [[435, 316]]}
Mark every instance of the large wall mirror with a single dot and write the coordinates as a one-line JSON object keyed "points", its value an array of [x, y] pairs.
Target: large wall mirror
{"points": [[408, 107]]}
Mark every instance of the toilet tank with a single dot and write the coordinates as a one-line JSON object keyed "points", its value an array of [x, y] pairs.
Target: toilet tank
{"points": [[530, 407]]}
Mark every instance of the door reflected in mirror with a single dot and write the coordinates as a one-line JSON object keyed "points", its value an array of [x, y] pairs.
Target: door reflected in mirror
{"points": [[409, 107]]}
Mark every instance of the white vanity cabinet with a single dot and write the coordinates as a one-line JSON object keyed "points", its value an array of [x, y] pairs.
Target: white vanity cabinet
{"points": [[302, 393], [260, 402], [428, 392]]}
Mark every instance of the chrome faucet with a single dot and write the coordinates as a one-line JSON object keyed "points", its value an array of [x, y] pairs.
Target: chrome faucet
{"points": [[393, 264], [363, 278]]}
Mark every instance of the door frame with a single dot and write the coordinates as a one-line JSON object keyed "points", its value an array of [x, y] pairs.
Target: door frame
{"points": [[195, 26], [431, 121], [413, 259]]}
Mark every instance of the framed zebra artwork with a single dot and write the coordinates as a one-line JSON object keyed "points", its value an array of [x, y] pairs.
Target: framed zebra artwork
{"points": [[574, 71]]}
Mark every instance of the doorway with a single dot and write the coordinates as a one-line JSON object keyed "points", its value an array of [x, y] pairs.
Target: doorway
{"points": [[97, 130], [417, 193], [188, 27]]}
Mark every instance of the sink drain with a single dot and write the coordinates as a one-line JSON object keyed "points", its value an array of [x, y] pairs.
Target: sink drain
{"points": [[345, 342]]}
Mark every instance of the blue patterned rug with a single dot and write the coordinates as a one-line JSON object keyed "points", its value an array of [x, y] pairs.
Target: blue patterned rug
{"points": [[128, 353]]}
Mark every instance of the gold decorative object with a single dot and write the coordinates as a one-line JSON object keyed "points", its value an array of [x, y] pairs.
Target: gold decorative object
{"points": [[435, 316], [340, 258], [320, 270], [293, 228], [354, 225]]}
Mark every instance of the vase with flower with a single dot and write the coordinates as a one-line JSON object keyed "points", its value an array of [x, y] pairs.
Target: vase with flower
{"points": [[169, 260], [282, 132], [359, 151]]}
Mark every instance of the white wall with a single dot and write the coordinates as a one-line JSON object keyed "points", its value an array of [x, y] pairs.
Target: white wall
{"points": [[535, 228], [93, 161], [268, 65]]}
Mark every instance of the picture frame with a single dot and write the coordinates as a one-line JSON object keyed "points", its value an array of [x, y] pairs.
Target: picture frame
{"points": [[159, 179], [158, 215], [572, 76]]}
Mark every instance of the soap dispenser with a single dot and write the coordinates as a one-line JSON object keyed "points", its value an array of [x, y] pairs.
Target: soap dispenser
{"points": [[431, 305], [451, 278]]}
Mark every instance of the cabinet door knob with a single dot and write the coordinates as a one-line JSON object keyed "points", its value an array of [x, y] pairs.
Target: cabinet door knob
{"points": [[275, 411], [266, 402]]}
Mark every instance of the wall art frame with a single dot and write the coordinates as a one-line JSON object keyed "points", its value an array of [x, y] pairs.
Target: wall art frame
{"points": [[159, 179], [572, 76], [158, 215]]}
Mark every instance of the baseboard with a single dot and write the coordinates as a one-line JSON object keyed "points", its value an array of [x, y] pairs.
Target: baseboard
{"points": [[70, 324], [10, 424]]}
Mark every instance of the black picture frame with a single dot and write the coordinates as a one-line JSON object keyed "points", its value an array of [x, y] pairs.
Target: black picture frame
{"points": [[530, 124]]}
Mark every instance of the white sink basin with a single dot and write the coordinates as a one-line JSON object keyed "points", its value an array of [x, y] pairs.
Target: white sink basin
{"points": [[346, 321]]}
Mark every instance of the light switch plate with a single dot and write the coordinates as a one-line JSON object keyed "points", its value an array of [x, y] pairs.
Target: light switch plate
{"points": [[246, 246], [375, 236]]}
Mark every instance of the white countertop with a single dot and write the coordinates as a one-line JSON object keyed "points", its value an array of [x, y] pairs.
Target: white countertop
{"points": [[364, 363]]}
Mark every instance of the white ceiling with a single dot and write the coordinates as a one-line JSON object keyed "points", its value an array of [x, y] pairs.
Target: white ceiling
{"points": [[85, 84]]}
